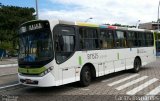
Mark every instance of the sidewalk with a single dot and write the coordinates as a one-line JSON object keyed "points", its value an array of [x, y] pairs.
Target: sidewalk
{"points": [[8, 62], [8, 70], [8, 66]]}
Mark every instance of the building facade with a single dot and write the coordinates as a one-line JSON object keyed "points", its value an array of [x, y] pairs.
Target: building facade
{"points": [[149, 26]]}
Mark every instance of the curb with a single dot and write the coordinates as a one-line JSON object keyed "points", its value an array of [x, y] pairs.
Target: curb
{"points": [[8, 74], [8, 86], [8, 65]]}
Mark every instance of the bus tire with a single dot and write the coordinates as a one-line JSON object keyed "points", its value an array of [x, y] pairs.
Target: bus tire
{"points": [[137, 65], [85, 77]]}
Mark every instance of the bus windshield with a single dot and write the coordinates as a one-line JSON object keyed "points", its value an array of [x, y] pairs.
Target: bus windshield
{"points": [[35, 46]]}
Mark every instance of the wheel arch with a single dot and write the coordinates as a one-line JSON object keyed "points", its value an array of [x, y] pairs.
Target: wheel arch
{"points": [[92, 69]]}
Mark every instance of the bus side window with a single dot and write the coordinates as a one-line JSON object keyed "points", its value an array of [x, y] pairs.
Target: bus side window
{"points": [[149, 39], [110, 39], [60, 43], [88, 38], [136, 39], [65, 43], [135, 34], [106, 39], [103, 42], [130, 39], [141, 39], [121, 39]]}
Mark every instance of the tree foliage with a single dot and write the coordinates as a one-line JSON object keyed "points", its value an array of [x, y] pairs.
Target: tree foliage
{"points": [[10, 19]]}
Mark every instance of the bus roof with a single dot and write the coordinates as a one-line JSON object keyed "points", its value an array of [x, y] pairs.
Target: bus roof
{"points": [[86, 24]]}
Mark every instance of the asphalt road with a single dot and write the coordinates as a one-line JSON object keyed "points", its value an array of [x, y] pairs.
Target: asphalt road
{"points": [[121, 86], [8, 70]]}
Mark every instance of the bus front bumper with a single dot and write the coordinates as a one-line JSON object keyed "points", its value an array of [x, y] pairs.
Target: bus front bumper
{"points": [[46, 81]]}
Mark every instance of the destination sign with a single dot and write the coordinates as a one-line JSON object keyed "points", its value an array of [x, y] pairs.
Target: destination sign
{"points": [[33, 26]]}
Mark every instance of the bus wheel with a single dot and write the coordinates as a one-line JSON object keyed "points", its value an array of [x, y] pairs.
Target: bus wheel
{"points": [[137, 65], [85, 77]]}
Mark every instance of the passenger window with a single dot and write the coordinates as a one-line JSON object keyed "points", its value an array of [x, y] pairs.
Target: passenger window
{"points": [[65, 43], [149, 39], [88, 38], [106, 39], [141, 39], [130, 39], [121, 39]]}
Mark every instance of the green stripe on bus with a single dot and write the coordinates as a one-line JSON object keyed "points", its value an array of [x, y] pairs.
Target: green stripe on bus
{"points": [[31, 70], [80, 60]]}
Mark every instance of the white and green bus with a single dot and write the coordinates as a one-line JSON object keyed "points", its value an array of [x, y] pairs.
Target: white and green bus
{"points": [[53, 53]]}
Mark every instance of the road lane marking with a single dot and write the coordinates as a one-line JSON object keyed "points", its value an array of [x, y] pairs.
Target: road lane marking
{"points": [[122, 80], [107, 80], [154, 91], [131, 83], [85, 89], [9, 86], [142, 86], [112, 78]]}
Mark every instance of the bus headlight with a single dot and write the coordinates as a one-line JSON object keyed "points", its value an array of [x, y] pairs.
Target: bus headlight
{"points": [[46, 71]]}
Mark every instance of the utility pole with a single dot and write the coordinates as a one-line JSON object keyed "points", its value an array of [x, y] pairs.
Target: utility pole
{"points": [[158, 16], [158, 22], [137, 24], [37, 16]]}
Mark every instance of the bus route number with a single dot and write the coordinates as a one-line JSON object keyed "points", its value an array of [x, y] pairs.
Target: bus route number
{"points": [[93, 56]]}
